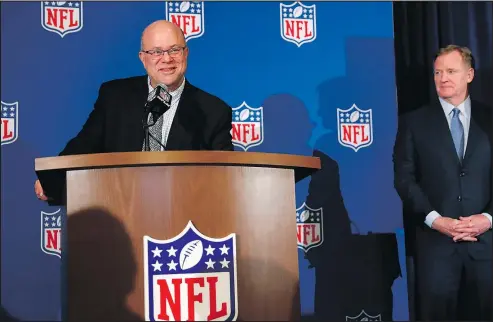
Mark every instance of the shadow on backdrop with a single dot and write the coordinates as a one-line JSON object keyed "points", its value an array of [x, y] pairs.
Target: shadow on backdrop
{"points": [[5, 316], [101, 251], [27, 294], [323, 190], [356, 272]]}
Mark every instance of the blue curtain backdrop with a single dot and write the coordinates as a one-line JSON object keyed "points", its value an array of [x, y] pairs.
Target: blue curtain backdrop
{"points": [[325, 85]]}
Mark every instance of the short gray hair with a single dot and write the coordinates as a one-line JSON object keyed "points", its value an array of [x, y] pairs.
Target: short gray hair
{"points": [[463, 51]]}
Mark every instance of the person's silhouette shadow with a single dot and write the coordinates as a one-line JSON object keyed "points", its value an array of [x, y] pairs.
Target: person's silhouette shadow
{"points": [[102, 268], [289, 131], [5, 315]]}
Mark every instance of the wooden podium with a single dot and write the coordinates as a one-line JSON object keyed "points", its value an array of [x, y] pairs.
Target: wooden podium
{"points": [[113, 200]]}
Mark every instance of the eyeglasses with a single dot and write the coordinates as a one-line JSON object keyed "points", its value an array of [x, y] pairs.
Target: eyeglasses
{"points": [[172, 52]]}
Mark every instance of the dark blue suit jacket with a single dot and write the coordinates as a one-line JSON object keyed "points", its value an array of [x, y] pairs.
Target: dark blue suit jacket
{"points": [[429, 176]]}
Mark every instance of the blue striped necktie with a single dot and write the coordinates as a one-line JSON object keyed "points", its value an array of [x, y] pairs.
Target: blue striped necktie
{"points": [[457, 133]]}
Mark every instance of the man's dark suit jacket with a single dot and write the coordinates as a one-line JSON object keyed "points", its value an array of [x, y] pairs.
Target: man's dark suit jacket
{"points": [[202, 121], [429, 176]]}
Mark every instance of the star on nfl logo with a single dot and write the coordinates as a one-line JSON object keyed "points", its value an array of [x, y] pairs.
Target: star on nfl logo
{"points": [[298, 23], [61, 17], [51, 233], [188, 15], [247, 126], [10, 122], [190, 277], [309, 227], [355, 127]]}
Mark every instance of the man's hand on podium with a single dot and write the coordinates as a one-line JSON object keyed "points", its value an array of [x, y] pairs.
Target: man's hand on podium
{"points": [[39, 191]]}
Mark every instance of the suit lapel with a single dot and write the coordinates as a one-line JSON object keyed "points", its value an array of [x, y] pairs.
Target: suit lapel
{"points": [[475, 132], [186, 123], [141, 89]]}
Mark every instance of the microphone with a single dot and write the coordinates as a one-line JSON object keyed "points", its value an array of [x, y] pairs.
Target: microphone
{"points": [[158, 102]]}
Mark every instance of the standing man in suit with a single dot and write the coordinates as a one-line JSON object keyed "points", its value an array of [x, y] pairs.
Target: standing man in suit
{"points": [[196, 120], [442, 172]]}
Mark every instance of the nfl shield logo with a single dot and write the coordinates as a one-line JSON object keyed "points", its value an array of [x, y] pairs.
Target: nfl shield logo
{"points": [[188, 15], [363, 316], [309, 227], [190, 277], [355, 127], [247, 126], [10, 122], [61, 17], [51, 233], [298, 23]]}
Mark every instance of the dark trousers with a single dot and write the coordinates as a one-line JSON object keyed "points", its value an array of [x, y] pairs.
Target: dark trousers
{"points": [[453, 287]]}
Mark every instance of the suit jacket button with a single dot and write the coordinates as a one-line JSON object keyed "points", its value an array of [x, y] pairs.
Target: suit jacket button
{"points": [[462, 174], [459, 198]]}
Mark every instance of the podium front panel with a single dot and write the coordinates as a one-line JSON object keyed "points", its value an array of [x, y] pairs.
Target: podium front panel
{"points": [[111, 210]]}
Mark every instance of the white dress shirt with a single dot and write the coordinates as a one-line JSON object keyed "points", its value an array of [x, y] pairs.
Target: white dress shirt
{"points": [[465, 119], [169, 115]]}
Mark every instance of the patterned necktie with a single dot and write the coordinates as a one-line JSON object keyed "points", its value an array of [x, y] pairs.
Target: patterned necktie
{"points": [[157, 132], [457, 133]]}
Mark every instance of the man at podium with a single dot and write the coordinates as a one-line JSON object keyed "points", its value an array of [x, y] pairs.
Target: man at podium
{"points": [[178, 115]]}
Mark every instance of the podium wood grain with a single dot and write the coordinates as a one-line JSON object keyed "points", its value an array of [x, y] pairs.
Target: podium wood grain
{"points": [[113, 200]]}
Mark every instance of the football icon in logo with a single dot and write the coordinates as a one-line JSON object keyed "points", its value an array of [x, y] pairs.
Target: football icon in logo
{"points": [[304, 216], [297, 12], [184, 6], [191, 254], [354, 116], [244, 115]]}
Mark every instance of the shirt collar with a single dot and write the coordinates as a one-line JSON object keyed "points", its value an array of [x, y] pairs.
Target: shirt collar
{"points": [[464, 107], [174, 94]]}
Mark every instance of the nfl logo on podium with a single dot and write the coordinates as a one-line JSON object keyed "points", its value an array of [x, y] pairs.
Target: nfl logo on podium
{"points": [[190, 277], [61, 17], [9, 122]]}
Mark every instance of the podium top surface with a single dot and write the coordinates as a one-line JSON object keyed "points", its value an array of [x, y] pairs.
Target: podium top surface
{"points": [[303, 165]]}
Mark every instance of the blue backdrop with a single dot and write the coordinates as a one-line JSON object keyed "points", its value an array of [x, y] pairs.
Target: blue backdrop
{"points": [[294, 64]]}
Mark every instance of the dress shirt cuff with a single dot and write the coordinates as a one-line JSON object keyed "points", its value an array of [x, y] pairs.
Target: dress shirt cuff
{"points": [[430, 218], [489, 218]]}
